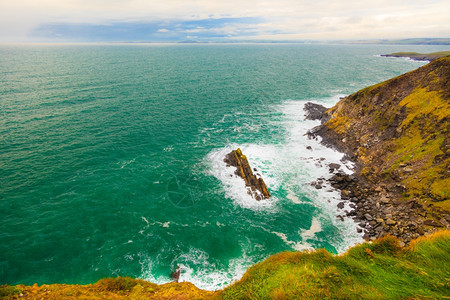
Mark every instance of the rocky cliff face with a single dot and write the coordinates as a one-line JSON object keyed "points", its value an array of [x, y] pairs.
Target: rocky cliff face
{"points": [[397, 132]]}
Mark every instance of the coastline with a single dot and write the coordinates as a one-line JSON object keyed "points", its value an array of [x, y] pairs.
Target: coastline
{"points": [[382, 200], [418, 56]]}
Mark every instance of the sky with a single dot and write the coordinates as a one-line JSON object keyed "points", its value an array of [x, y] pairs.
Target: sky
{"points": [[220, 20]]}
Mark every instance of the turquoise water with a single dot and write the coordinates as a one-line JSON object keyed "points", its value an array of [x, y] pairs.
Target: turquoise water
{"points": [[111, 157]]}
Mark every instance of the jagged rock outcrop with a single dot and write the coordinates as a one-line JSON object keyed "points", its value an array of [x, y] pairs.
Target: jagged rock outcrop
{"points": [[175, 275], [256, 187], [315, 111], [397, 133]]}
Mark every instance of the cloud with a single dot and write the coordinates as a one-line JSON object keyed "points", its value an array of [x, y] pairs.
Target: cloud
{"points": [[204, 29], [293, 19]]}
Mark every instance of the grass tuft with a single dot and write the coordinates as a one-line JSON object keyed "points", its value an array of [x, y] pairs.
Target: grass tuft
{"points": [[116, 284]]}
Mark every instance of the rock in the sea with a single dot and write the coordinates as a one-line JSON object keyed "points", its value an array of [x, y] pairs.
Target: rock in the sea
{"points": [[256, 187], [333, 167], [175, 275]]}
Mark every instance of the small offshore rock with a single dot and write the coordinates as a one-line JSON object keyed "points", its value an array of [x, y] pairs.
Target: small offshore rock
{"points": [[175, 275], [341, 205], [334, 166], [256, 187]]}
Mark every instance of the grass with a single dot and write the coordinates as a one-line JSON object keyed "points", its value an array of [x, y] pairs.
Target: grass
{"points": [[427, 112], [381, 270], [378, 270]]}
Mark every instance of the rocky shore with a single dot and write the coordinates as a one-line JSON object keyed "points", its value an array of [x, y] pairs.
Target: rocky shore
{"points": [[396, 189], [376, 208]]}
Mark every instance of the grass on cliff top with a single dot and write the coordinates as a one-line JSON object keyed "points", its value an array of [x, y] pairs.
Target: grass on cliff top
{"points": [[378, 270], [381, 270]]}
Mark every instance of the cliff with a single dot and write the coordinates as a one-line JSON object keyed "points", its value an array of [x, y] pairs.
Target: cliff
{"points": [[397, 133], [378, 270]]}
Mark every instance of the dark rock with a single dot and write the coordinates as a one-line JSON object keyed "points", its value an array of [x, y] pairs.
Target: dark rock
{"points": [[314, 111], [309, 147], [340, 205], [432, 223], [420, 231], [314, 131], [334, 167], [351, 213], [175, 275]]}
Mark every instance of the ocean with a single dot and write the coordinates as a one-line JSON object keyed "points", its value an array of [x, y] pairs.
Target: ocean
{"points": [[111, 157]]}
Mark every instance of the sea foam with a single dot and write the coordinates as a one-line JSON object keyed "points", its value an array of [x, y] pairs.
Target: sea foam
{"points": [[288, 169]]}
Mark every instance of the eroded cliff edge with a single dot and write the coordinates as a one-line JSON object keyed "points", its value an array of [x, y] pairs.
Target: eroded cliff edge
{"points": [[397, 133]]}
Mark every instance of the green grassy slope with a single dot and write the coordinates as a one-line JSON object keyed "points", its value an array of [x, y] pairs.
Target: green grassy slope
{"points": [[381, 270], [398, 131], [378, 270]]}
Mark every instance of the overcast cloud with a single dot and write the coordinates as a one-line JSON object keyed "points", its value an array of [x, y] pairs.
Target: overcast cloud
{"points": [[165, 20]]}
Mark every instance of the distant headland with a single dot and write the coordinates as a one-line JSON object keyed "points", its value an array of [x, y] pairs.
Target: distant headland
{"points": [[419, 56]]}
